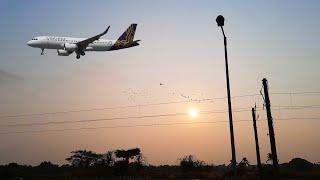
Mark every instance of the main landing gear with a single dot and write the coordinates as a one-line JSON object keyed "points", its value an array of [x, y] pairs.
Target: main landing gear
{"points": [[42, 51], [80, 53]]}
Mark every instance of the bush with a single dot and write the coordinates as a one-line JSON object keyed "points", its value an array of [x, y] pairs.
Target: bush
{"points": [[188, 163]]}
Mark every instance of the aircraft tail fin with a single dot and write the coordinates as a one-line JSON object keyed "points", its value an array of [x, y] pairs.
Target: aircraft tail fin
{"points": [[128, 35], [126, 39]]}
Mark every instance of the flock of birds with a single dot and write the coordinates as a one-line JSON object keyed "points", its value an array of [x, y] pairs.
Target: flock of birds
{"points": [[136, 96]]}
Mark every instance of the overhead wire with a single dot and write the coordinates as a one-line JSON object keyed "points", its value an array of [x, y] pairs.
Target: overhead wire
{"points": [[148, 104], [150, 116], [140, 125], [112, 119]]}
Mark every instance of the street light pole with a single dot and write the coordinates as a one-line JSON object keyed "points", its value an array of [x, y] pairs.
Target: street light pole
{"points": [[220, 22]]}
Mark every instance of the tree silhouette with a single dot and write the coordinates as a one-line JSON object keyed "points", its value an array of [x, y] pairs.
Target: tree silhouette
{"points": [[242, 166], [269, 158], [300, 164], [83, 158], [140, 160], [244, 162], [127, 154], [108, 159], [189, 162], [47, 165], [121, 166]]}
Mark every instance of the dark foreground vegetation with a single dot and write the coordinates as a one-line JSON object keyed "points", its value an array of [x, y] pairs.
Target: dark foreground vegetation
{"points": [[130, 164]]}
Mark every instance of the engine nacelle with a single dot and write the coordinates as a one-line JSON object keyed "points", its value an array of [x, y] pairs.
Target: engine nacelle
{"points": [[70, 47], [62, 52]]}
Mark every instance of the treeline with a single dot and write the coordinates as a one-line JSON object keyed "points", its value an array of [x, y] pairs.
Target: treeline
{"points": [[84, 164], [85, 159], [81, 163]]}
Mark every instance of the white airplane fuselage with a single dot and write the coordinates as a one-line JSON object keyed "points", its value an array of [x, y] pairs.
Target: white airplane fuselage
{"points": [[55, 42]]}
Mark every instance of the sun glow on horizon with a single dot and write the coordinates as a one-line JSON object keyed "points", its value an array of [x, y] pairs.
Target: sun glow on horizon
{"points": [[193, 112]]}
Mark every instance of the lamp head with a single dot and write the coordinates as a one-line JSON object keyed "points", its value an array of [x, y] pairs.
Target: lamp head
{"points": [[220, 20]]}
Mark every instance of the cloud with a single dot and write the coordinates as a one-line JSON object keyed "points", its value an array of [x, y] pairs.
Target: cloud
{"points": [[9, 77]]}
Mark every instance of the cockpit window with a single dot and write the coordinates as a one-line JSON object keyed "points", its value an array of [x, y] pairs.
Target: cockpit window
{"points": [[34, 38]]}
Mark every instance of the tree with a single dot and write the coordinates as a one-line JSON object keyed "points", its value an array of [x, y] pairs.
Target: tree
{"points": [[13, 165], [269, 158], [47, 165], [83, 158], [127, 154], [300, 164], [108, 159], [141, 160], [244, 162], [242, 166], [122, 164], [189, 162]]}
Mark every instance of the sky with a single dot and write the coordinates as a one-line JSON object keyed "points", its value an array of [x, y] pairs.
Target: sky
{"points": [[181, 47]]}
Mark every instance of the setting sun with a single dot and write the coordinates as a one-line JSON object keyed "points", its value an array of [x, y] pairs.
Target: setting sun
{"points": [[193, 113]]}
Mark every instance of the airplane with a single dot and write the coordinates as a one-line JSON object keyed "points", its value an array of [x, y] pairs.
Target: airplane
{"points": [[67, 45]]}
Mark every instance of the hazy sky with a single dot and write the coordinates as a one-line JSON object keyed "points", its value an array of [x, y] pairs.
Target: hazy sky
{"points": [[182, 47]]}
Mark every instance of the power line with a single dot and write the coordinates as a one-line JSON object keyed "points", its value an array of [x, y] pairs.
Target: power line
{"points": [[112, 127], [92, 109], [93, 120], [303, 93], [99, 109], [142, 125], [112, 119], [297, 118], [123, 107], [150, 116], [150, 104], [315, 106]]}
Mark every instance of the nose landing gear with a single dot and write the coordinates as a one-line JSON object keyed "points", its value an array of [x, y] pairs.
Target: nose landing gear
{"points": [[42, 51]]}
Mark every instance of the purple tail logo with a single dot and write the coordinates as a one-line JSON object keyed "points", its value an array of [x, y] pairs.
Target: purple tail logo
{"points": [[128, 35], [126, 39]]}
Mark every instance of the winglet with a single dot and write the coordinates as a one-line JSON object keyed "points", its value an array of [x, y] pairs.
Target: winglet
{"points": [[105, 31], [84, 43]]}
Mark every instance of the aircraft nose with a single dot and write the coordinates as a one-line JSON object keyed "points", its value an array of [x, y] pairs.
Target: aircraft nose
{"points": [[29, 43]]}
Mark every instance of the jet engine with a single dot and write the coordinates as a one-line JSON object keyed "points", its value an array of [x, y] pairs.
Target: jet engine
{"points": [[70, 47], [62, 52]]}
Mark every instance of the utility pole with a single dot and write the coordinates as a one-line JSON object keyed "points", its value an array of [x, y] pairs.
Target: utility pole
{"points": [[256, 139], [271, 131], [220, 22]]}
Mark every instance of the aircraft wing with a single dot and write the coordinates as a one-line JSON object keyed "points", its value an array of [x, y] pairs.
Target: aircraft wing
{"points": [[83, 44]]}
